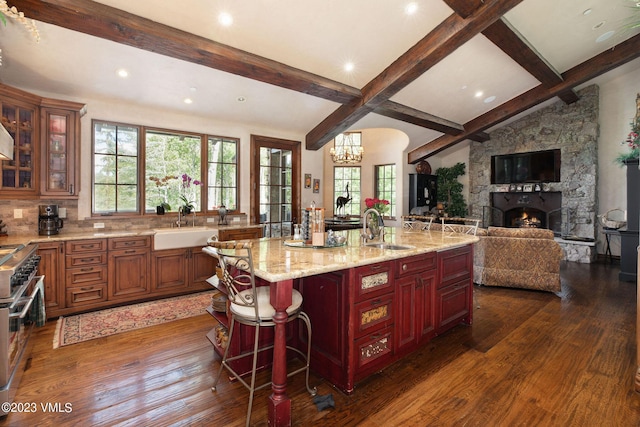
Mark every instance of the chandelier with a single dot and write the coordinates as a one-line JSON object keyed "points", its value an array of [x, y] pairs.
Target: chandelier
{"points": [[346, 150]]}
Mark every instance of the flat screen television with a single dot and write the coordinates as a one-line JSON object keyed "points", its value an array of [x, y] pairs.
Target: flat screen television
{"points": [[535, 166]]}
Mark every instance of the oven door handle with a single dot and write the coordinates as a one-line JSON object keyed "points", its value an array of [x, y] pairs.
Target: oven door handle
{"points": [[29, 301]]}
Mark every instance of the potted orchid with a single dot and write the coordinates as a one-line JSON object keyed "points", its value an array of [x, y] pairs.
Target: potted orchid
{"points": [[633, 142], [161, 185], [187, 194]]}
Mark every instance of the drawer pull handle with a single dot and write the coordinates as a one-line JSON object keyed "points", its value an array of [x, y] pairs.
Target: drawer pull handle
{"points": [[86, 246], [404, 267], [377, 267], [129, 243], [376, 301], [132, 251], [87, 269], [375, 336], [90, 288], [88, 259]]}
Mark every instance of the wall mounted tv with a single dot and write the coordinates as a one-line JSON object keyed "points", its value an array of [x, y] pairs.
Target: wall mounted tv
{"points": [[535, 166]]}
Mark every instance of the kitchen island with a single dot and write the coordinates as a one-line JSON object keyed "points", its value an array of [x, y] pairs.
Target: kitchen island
{"points": [[369, 306]]}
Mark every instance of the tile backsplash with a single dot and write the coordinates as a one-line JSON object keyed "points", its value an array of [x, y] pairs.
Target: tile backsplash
{"points": [[28, 223]]}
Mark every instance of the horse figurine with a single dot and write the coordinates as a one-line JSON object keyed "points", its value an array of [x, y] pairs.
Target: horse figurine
{"points": [[341, 202]]}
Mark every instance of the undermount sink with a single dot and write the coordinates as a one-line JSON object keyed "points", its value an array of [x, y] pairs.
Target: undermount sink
{"points": [[183, 237], [389, 246]]}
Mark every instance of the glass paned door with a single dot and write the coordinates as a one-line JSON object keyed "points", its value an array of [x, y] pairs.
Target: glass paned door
{"points": [[275, 191], [275, 184]]}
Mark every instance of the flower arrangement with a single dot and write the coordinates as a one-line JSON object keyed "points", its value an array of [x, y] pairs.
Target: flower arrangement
{"points": [[186, 193], [633, 142], [162, 183], [381, 205]]}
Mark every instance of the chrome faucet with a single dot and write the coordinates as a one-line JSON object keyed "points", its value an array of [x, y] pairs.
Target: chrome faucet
{"points": [[182, 216], [372, 231]]}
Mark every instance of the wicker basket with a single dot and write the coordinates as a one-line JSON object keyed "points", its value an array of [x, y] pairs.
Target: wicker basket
{"points": [[219, 302], [611, 223]]}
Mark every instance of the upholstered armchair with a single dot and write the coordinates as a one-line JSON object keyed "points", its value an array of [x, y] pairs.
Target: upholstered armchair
{"points": [[526, 258]]}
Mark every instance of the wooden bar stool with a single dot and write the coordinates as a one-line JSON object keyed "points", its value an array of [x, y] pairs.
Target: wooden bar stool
{"points": [[249, 305]]}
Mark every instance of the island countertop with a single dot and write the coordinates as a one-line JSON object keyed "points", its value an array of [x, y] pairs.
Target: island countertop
{"points": [[274, 261]]}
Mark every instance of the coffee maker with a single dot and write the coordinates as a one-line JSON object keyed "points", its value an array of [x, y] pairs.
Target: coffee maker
{"points": [[48, 220]]}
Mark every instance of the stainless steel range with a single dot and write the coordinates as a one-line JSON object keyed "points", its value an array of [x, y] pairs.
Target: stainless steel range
{"points": [[19, 289]]}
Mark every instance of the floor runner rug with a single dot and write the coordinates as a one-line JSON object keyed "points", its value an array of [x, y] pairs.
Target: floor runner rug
{"points": [[88, 326]]}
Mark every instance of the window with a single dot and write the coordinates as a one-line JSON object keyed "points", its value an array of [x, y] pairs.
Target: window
{"points": [[222, 170], [115, 168], [344, 176], [385, 176], [168, 156]]}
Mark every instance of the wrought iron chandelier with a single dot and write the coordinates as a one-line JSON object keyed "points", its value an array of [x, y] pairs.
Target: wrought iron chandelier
{"points": [[345, 149]]}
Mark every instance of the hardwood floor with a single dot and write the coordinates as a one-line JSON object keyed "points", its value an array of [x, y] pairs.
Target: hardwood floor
{"points": [[530, 359]]}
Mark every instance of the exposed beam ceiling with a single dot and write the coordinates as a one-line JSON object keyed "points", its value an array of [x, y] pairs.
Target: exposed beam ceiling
{"points": [[452, 33], [471, 18], [600, 64]]}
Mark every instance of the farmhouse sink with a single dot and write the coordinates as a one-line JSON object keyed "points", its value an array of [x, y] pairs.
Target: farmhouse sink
{"points": [[183, 237], [389, 246]]}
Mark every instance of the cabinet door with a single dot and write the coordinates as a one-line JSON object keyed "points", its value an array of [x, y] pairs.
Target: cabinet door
{"points": [[51, 267], [128, 273], [58, 152], [203, 266], [407, 318], [170, 270], [19, 174], [454, 304], [426, 309]]}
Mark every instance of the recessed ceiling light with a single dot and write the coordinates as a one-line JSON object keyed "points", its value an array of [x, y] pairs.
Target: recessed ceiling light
{"points": [[479, 94], [489, 99], [122, 73], [349, 66], [463, 87], [598, 25], [587, 11], [241, 99], [411, 8], [225, 19], [605, 36], [188, 101], [193, 89]]}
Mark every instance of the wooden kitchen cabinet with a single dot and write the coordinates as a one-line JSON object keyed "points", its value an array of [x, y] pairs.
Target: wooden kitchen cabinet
{"points": [[415, 299], [20, 117], [240, 233], [47, 146], [454, 292], [85, 274], [60, 160], [179, 270], [128, 268], [52, 267]]}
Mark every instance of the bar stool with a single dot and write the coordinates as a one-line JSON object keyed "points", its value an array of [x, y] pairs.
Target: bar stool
{"points": [[250, 306]]}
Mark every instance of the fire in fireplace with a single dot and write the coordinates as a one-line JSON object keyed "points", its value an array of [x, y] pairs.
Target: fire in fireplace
{"points": [[525, 218]]}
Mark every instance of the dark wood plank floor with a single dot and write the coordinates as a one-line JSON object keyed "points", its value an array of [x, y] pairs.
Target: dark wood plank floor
{"points": [[530, 359]]}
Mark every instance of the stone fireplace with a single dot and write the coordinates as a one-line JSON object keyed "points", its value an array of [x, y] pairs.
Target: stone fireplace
{"points": [[529, 210], [568, 207]]}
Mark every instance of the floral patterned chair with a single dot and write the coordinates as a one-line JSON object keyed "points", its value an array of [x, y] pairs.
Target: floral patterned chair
{"points": [[526, 258]]}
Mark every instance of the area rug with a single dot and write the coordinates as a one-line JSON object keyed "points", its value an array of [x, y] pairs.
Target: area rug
{"points": [[88, 326]]}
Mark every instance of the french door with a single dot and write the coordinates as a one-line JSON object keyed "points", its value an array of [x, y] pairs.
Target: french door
{"points": [[275, 184]]}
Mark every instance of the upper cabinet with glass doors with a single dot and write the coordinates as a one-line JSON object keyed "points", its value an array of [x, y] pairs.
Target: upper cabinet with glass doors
{"points": [[46, 135]]}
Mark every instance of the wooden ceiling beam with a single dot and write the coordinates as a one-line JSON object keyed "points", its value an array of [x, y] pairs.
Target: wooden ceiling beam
{"points": [[418, 118], [620, 54], [452, 33], [510, 41], [116, 25]]}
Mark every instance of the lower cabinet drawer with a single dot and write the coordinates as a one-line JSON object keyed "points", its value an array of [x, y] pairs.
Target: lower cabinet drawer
{"points": [[454, 304], [78, 296], [88, 275], [373, 314], [373, 349]]}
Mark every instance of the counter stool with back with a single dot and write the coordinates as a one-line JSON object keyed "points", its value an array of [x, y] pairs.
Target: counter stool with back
{"points": [[249, 305]]}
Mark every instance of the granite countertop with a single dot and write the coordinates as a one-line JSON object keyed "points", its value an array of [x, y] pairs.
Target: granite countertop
{"points": [[274, 261], [97, 234]]}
